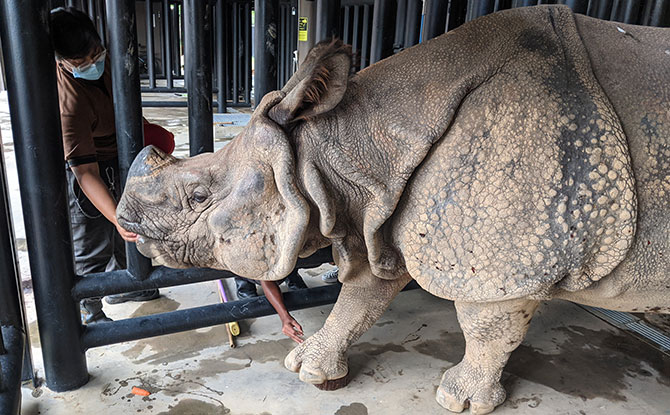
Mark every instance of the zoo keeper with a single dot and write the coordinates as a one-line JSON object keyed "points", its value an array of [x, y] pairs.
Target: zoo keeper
{"points": [[89, 143]]}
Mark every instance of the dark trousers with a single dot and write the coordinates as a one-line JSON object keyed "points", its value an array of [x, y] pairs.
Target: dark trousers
{"points": [[97, 245]]}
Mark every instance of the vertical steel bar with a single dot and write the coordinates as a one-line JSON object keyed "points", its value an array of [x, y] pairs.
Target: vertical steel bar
{"points": [[235, 51], [365, 45], [578, 6], [220, 58], [247, 52], [412, 23], [150, 42], [327, 19], [381, 44], [400, 18], [127, 104], [33, 102], [355, 26], [282, 46], [102, 27], [198, 74], [167, 40], [91, 9], [174, 28], [265, 48], [435, 20], [346, 27]]}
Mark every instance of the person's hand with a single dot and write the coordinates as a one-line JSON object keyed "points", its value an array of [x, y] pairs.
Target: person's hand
{"points": [[126, 235], [292, 329]]}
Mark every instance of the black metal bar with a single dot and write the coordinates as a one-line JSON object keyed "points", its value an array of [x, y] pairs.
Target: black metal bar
{"points": [[381, 45], [412, 23], [327, 19], [33, 103], [106, 283], [164, 90], [102, 27], [479, 8], [657, 13], [179, 104], [346, 26], [355, 46], [235, 49], [10, 370], [265, 48], [400, 18], [365, 45], [198, 48], [181, 320], [167, 41], [281, 76], [578, 6], [247, 52], [220, 57], [91, 10], [174, 42], [434, 21], [127, 104], [150, 42]]}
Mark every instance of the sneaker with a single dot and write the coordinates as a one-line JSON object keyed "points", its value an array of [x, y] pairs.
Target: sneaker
{"points": [[294, 281], [92, 315], [330, 277], [245, 289], [145, 295]]}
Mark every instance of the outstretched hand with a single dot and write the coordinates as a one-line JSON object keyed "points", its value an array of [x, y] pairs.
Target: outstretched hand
{"points": [[292, 329]]}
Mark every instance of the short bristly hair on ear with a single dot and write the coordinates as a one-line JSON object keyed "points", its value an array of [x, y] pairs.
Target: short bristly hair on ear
{"points": [[318, 85]]}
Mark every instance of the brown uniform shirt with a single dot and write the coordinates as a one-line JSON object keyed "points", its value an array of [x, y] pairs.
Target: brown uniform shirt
{"points": [[87, 117]]}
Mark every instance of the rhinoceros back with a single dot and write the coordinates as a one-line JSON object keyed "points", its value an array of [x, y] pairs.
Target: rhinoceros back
{"points": [[531, 186]]}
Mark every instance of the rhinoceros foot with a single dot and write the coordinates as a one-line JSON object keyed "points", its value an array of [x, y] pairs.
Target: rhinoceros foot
{"points": [[462, 385], [319, 362]]}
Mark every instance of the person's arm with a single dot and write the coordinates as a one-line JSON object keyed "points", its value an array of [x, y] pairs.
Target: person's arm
{"points": [[88, 177], [290, 327]]}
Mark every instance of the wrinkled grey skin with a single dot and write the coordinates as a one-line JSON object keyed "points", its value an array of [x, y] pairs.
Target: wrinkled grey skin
{"points": [[522, 157]]}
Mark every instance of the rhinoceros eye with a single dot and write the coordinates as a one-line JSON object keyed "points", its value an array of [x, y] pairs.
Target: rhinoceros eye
{"points": [[199, 197]]}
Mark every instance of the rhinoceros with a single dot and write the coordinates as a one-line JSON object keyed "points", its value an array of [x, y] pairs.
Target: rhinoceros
{"points": [[522, 157]]}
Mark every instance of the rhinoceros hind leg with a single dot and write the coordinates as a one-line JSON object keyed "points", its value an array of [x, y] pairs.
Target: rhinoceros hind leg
{"points": [[492, 331]]}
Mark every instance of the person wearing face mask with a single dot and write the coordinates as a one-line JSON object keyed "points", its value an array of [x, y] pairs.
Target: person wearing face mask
{"points": [[89, 142]]}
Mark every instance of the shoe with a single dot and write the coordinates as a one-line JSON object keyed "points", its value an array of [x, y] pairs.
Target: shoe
{"points": [[245, 289], [91, 311], [145, 295], [330, 277], [295, 282]]}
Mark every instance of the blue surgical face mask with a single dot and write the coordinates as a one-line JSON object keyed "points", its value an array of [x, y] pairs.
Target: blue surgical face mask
{"points": [[90, 72]]}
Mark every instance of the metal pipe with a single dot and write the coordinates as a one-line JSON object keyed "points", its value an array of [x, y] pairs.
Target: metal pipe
{"points": [[364, 36], [33, 103], [247, 52], [327, 19], [150, 42], [381, 45], [198, 48], [401, 17], [657, 13], [127, 104], [220, 57], [106, 283], [179, 104], [167, 42], [479, 8], [435, 19], [456, 15], [91, 10], [578, 6], [412, 23], [236, 55], [97, 335], [354, 43], [346, 26], [102, 28], [10, 370], [174, 35], [265, 48]]}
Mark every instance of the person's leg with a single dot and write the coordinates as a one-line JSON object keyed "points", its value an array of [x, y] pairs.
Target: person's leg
{"points": [[294, 281], [90, 243]]}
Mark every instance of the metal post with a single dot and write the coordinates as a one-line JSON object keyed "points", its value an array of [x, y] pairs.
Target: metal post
{"points": [[127, 104], [33, 102], [102, 29], [220, 57], [265, 48], [175, 25], [578, 6], [354, 43], [657, 13], [327, 19], [235, 52], [435, 19], [364, 37], [400, 18], [167, 42], [412, 23], [198, 48], [382, 30], [479, 8], [247, 53], [150, 42], [346, 27]]}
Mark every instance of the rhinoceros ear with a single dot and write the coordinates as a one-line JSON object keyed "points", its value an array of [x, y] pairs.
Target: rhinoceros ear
{"points": [[318, 86]]}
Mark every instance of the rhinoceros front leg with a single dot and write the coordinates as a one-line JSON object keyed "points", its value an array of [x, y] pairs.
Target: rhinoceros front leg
{"points": [[321, 359], [492, 331]]}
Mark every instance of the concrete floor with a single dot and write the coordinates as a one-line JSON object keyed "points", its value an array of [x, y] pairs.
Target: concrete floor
{"points": [[570, 363]]}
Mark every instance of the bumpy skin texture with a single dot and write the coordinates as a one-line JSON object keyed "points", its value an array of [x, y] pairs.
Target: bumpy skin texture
{"points": [[521, 157]]}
